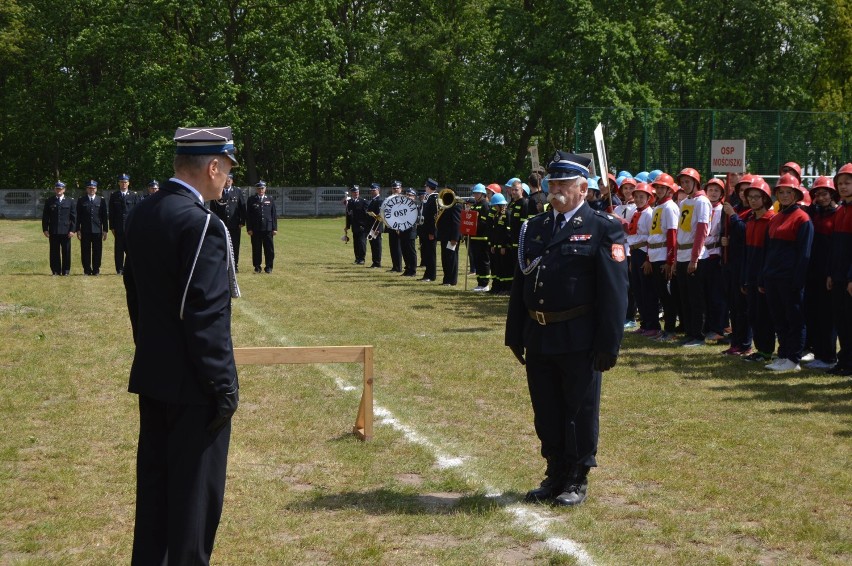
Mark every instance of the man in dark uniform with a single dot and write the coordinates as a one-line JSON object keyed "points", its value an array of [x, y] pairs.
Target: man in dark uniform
{"points": [[359, 222], [393, 237], [517, 213], [261, 226], [407, 240], [179, 282], [566, 320], [448, 233], [121, 202], [479, 242], [153, 187], [375, 206], [92, 228], [231, 208], [427, 231], [58, 222]]}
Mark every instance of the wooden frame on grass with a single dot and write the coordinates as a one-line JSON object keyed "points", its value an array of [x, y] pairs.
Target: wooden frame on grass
{"points": [[363, 428]]}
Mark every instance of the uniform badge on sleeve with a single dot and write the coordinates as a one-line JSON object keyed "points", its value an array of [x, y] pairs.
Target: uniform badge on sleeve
{"points": [[618, 252]]}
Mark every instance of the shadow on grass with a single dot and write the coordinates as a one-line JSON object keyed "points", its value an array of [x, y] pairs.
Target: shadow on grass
{"points": [[386, 501], [803, 392]]}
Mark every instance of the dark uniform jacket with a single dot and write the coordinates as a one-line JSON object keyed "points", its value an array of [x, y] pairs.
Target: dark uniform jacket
{"points": [[231, 208], [179, 299], [92, 215], [448, 226], [483, 211], [583, 264], [840, 257], [357, 218], [261, 214], [517, 213], [59, 217], [429, 211], [375, 206], [119, 208]]}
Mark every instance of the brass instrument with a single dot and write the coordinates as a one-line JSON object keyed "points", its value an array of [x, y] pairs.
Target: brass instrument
{"points": [[448, 199], [376, 230]]}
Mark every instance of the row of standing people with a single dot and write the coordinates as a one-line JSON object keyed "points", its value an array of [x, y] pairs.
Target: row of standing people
{"points": [[91, 218], [770, 263]]}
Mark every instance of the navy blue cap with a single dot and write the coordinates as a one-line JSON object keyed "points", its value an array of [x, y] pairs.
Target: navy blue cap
{"points": [[59, 185], [206, 141], [154, 183], [354, 188], [411, 192], [375, 186], [124, 177], [92, 183], [564, 165], [431, 183], [230, 175], [396, 185], [421, 193], [260, 185]]}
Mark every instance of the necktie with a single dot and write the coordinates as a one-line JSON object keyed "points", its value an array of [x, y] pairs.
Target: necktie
{"points": [[560, 218]]}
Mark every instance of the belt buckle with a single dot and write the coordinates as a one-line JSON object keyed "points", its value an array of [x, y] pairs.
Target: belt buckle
{"points": [[539, 318]]}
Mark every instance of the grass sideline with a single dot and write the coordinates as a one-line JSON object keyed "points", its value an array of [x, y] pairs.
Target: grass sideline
{"points": [[703, 459]]}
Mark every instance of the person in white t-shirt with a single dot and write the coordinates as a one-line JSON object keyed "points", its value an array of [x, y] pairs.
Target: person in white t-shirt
{"points": [[717, 301], [662, 250], [693, 227]]}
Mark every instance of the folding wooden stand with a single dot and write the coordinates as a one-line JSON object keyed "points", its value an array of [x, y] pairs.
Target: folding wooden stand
{"points": [[363, 428]]}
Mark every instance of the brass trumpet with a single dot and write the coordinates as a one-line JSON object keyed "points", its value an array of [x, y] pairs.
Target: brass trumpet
{"points": [[448, 199]]}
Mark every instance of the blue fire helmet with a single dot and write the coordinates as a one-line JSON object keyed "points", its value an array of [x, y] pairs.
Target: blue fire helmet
{"points": [[652, 176], [642, 177], [478, 188], [526, 188], [624, 174], [593, 184], [497, 199], [545, 183]]}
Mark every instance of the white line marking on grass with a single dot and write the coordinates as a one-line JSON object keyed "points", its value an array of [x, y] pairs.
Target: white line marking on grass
{"points": [[536, 521]]}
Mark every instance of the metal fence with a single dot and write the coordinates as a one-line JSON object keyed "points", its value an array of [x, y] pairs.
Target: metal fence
{"points": [[670, 139]]}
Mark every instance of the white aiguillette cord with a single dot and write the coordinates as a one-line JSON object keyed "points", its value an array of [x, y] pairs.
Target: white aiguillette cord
{"points": [[232, 275]]}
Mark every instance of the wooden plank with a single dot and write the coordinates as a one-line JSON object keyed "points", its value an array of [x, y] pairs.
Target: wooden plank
{"points": [[299, 355]]}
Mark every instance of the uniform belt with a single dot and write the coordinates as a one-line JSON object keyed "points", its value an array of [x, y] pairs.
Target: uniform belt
{"points": [[479, 237], [638, 245], [545, 318], [656, 246], [714, 246]]}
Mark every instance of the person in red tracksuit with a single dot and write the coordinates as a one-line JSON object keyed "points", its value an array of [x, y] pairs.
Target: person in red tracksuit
{"points": [[785, 265], [821, 335], [756, 224], [839, 280]]}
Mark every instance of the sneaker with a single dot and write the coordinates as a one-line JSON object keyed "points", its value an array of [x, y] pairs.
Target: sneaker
{"points": [[819, 364], [836, 369], [713, 337], [785, 365], [807, 357], [733, 351], [630, 324], [691, 343], [775, 365], [480, 288], [757, 357]]}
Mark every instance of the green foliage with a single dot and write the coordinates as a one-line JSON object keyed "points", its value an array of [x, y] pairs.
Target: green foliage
{"points": [[326, 92]]}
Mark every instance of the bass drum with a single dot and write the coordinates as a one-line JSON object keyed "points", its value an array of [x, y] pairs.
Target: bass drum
{"points": [[399, 212]]}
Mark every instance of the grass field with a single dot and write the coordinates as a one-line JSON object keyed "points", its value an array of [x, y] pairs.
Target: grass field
{"points": [[703, 459]]}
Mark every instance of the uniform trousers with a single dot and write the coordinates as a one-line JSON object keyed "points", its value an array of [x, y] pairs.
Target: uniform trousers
{"points": [[428, 257], [118, 252], [449, 263], [262, 246], [395, 249], [565, 392], [235, 242], [60, 253], [501, 280], [632, 303], [842, 307], [644, 291], [665, 297], [180, 478], [760, 320], [717, 300], [692, 294], [376, 250], [821, 334], [91, 250], [481, 261], [788, 316], [409, 253], [738, 308], [359, 243]]}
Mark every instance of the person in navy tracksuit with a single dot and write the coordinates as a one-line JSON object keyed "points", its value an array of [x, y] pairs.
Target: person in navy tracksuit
{"points": [[839, 280], [755, 225], [733, 248], [785, 266]]}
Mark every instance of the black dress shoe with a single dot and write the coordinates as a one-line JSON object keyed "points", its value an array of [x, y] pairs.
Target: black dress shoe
{"points": [[549, 488], [574, 493], [268, 270], [257, 270]]}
